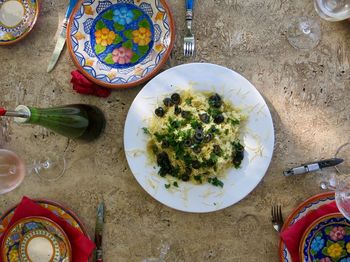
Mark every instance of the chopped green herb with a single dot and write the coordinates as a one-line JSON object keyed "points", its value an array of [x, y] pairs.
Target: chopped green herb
{"points": [[175, 184], [214, 112], [215, 182], [146, 131], [167, 186], [226, 132], [188, 101], [198, 178], [234, 122]]}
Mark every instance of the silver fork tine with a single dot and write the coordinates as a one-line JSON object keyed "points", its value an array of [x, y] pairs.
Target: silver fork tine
{"points": [[189, 40]]}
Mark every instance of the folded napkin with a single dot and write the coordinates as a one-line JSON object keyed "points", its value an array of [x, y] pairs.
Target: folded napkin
{"points": [[82, 246], [292, 235]]}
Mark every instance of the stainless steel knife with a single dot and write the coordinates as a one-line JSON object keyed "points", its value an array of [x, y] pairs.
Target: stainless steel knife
{"points": [[99, 230], [311, 167], [61, 38]]}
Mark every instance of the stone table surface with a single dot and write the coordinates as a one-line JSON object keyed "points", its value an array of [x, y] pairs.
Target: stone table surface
{"points": [[308, 94]]}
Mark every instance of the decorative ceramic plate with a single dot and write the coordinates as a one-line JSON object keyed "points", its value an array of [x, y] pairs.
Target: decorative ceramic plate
{"points": [[120, 43], [312, 203], [36, 239], [258, 137], [327, 238], [17, 19]]}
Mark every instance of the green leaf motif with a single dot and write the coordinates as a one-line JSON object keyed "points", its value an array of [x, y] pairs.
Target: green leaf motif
{"points": [[319, 235], [144, 23], [118, 27], [137, 13], [109, 59], [347, 230], [324, 251], [135, 58], [108, 15], [329, 243], [99, 49], [100, 25], [143, 49], [341, 243], [127, 44], [328, 230], [313, 252], [117, 40], [128, 34]]}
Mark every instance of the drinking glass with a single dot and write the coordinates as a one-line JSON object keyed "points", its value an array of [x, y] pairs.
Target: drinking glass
{"points": [[333, 10], [304, 33], [340, 182]]}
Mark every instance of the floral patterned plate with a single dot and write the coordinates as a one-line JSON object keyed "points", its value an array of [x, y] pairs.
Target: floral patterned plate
{"points": [[54, 207], [17, 19], [120, 43], [327, 239], [36, 239], [303, 209]]}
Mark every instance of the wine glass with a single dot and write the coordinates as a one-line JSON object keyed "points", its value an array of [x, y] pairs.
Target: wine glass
{"points": [[164, 250], [333, 10], [13, 169], [304, 33], [340, 182]]}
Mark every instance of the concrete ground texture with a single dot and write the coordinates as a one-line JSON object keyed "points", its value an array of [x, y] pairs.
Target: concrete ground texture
{"points": [[307, 92]]}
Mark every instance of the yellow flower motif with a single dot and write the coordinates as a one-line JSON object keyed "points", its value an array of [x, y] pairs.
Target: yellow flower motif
{"points": [[88, 10], [13, 255], [139, 71], [89, 62], [142, 36], [159, 47], [348, 247], [334, 250], [79, 36], [104, 37], [159, 16], [7, 37], [111, 75]]}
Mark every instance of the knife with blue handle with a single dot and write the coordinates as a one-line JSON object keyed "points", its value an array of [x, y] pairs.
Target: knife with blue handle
{"points": [[61, 38]]}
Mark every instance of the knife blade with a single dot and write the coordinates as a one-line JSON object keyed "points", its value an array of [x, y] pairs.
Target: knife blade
{"points": [[61, 38], [99, 230], [311, 167]]}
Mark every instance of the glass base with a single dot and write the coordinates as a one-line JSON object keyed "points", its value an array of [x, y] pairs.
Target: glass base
{"points": [[50, 168], [304, 33]]}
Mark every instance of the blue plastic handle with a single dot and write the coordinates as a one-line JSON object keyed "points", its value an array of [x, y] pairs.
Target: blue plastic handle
{"points": [[190, 4], [70, 8]]}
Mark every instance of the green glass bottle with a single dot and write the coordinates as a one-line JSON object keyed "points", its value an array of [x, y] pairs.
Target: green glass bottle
{"points": [[78, 121]]}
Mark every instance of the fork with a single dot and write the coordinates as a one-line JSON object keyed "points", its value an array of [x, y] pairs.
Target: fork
{"points": [[276, 217], [189, 40]]}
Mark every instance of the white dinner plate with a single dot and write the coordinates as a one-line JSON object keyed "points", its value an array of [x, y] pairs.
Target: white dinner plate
{"points": [[257, 136]]}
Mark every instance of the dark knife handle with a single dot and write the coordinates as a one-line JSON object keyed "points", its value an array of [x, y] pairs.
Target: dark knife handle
{"points": [[99, 260]]}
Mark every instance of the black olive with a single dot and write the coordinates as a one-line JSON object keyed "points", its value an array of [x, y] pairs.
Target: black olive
{"points": [[165, 144], [188, 171], [219, 119], [237, 158], [185, 178], [186, 114], [159, 112], [164, 163], [204, 118], [177, 110], [188, 143], [215, 101], [196, 164], [199, 136], [197, 149], [208, 138], [176, 99], [217, 150], [167, 102]]}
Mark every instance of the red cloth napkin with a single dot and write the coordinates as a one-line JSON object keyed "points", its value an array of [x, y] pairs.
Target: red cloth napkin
{"points": [[82, 85], [292, 235], [82, 246]]}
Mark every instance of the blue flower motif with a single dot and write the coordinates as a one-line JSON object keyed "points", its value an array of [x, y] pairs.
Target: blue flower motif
{"points": [[345, 260], [317, 244], [123, 16]]}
